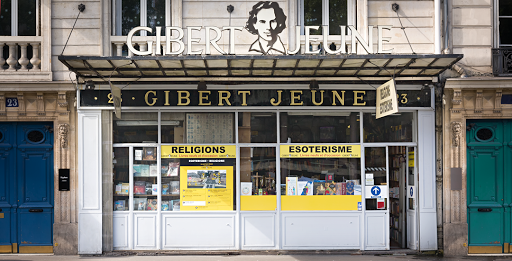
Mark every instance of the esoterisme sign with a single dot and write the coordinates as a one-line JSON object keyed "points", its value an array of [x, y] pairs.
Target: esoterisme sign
{"points": [[240, 98], [266, 22]]}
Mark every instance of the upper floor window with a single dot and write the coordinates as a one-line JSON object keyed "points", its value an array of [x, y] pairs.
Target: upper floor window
{"points": [[332, 13], [132, 13], [19, 17], [504, 23]]}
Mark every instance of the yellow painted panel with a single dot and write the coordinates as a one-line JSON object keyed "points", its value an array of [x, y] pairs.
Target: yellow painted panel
{"points": [[198, 151], [320, 202], [320, 151], [36, 249], [1, 215], [484, 250], [261, 203], [6, 249]]}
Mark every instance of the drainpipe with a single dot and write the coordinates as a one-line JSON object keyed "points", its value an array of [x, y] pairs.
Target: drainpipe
{"points": [[437, 26]]}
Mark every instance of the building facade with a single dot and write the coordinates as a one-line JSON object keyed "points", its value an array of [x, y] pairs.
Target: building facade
{"points": [[475, 122], [199, 125]]}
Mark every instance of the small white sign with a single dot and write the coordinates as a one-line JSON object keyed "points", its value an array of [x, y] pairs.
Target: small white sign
{"points": [[376, 191], [369, 179], [193, 203], [387, 103]]}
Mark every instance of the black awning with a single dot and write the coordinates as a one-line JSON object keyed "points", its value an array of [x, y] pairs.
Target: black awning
{"points": [[235, 68]]}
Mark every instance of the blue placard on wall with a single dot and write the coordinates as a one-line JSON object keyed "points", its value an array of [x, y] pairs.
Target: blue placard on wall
{"points": [[11, 102]]}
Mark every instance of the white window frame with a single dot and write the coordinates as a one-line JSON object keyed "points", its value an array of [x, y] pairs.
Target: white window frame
{"points": [[351, 11], [14, 18], [497, 24], [117, 12]]}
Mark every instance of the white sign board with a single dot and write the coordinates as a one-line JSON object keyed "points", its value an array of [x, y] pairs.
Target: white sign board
{"points": [[386, 99], [376, 192]]}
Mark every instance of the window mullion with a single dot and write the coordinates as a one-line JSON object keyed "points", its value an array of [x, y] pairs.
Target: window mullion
{"points": [[168, 15], [14, 18], [325, 15]]}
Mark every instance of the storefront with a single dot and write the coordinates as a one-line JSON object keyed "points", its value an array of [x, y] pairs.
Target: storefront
{"points": [[257, 163]]}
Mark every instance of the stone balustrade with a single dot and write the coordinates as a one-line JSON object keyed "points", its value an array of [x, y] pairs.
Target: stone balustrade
{"points": [[22, 59]]}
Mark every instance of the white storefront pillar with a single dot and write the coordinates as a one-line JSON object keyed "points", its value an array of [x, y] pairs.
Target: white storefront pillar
{"points": [[89, 183]]}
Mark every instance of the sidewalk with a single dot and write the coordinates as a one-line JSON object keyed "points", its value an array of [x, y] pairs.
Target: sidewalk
{"points": [[319, 257]]}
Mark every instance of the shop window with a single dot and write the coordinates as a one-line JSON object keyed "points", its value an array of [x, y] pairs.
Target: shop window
{"points": [[198, 177], [145, 179], [132, 13], [172, 127], [257, 127], [375, 178], [393, 128], [319, 127], [136, 127], [121, 179], [20, 23], [209, 128], [258, 178], [328, 180], [326, 12]]}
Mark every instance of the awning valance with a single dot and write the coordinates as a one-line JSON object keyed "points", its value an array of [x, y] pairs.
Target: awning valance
{"points": [[236, 68]]}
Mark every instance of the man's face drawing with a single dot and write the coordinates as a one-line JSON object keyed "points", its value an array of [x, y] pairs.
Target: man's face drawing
{"points": [[266, 23]]}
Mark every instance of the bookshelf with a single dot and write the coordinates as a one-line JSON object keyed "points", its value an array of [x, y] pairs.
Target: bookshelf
{"points": [[397, 157]]}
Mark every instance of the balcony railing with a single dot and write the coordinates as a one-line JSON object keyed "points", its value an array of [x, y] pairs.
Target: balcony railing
{"points": [[502, 61], [20, 59]]}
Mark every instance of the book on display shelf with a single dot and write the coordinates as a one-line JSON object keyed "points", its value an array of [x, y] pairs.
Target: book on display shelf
{"points": [[165, 205], [119, 205], [175, 205], [139, 203], [154, 189], [138, 154], [174, 187], [149, 188], [144, 170], [165, 189], [137, 170], [149, 153], [152, 204], [139, 188], [153, 170]]}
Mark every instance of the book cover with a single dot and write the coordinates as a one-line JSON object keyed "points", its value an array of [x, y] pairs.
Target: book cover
{"points": [[291, 186], [305, 188], [153, 170], [350, 187], [165, 205], [175, 205], [339, 188], [152, 204], [175, 187], [139, 188], [119, 205], [330, 188], [137, 170], [138, 154], [149, 188], [246, 188], [319, 187], [144, 170], [149, 154], [165, 169], [357, 190], [154, 189], [139, 203], [125, 188], [119, 189], [174, 169], [165, 189]]}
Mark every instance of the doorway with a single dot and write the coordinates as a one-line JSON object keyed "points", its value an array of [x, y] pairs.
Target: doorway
{"points": [[402, 198], [26, 187]]}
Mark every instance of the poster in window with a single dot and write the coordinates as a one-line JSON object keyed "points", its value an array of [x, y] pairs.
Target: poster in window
{"points": [[149, 154]]}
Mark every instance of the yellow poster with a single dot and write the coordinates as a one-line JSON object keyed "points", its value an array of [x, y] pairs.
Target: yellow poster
{"points": [[206, 188], [411, 158], [320, 151], [192, 151]]}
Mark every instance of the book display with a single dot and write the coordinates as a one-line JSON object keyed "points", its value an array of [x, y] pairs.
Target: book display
{"points": [[397, 163], [261, 179], [170, 177], [121, 179], [145, 179]]}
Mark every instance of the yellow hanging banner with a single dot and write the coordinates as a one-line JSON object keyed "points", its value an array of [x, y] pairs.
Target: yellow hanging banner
{"points": [[320, 151], [191, 151]]}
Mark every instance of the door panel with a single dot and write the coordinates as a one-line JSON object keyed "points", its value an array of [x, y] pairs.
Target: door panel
{"points": [[26, 187]]}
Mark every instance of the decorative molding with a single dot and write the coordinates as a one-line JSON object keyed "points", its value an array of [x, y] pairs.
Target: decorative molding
{"points": [[21, 105], [62, 99], [457, 97], [2, 104], [63, 135], [479, 101], [456, 131], [497, 101], [40, 104]]}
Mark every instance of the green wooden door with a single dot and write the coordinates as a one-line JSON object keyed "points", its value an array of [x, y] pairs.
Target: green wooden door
{"points": [[489, 196]]}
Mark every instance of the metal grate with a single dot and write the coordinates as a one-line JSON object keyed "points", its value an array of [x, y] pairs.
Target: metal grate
{"points": [[502, 61]]}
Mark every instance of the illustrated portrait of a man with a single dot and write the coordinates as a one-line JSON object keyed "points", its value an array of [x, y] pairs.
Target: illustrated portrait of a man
{"points": [[267, 21]]}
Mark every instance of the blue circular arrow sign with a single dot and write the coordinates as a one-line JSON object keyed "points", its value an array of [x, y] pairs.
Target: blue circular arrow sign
{"points": [[375, 190], [411, 191]]}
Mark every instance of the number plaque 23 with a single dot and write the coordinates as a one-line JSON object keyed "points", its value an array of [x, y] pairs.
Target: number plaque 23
{"points": [[11, 102]]}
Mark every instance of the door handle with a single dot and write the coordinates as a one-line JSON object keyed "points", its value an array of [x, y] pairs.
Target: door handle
{"points": [[484, 209], [35, 210]]}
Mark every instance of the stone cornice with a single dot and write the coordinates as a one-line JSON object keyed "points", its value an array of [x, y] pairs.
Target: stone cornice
{"points": [[37, 86], [479, 83]]}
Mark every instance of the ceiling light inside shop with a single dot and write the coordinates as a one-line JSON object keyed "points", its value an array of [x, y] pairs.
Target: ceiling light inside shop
{"points": [[146, 123]]}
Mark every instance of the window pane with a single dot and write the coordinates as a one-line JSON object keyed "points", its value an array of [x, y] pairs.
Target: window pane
{"points": [[5, 18], [375, 167], [505, 8], [172, 127], [136, 127], [393, 128], [210, 128], [121, 179], [145, 173], [337, 15], [313, 15], [319, 127], [505, 35], [156, 13], [131, 15], [27, 18], [257, 127]]}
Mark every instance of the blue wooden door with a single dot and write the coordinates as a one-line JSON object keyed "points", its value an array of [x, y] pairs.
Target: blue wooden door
{"points": [[26, 190]]}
